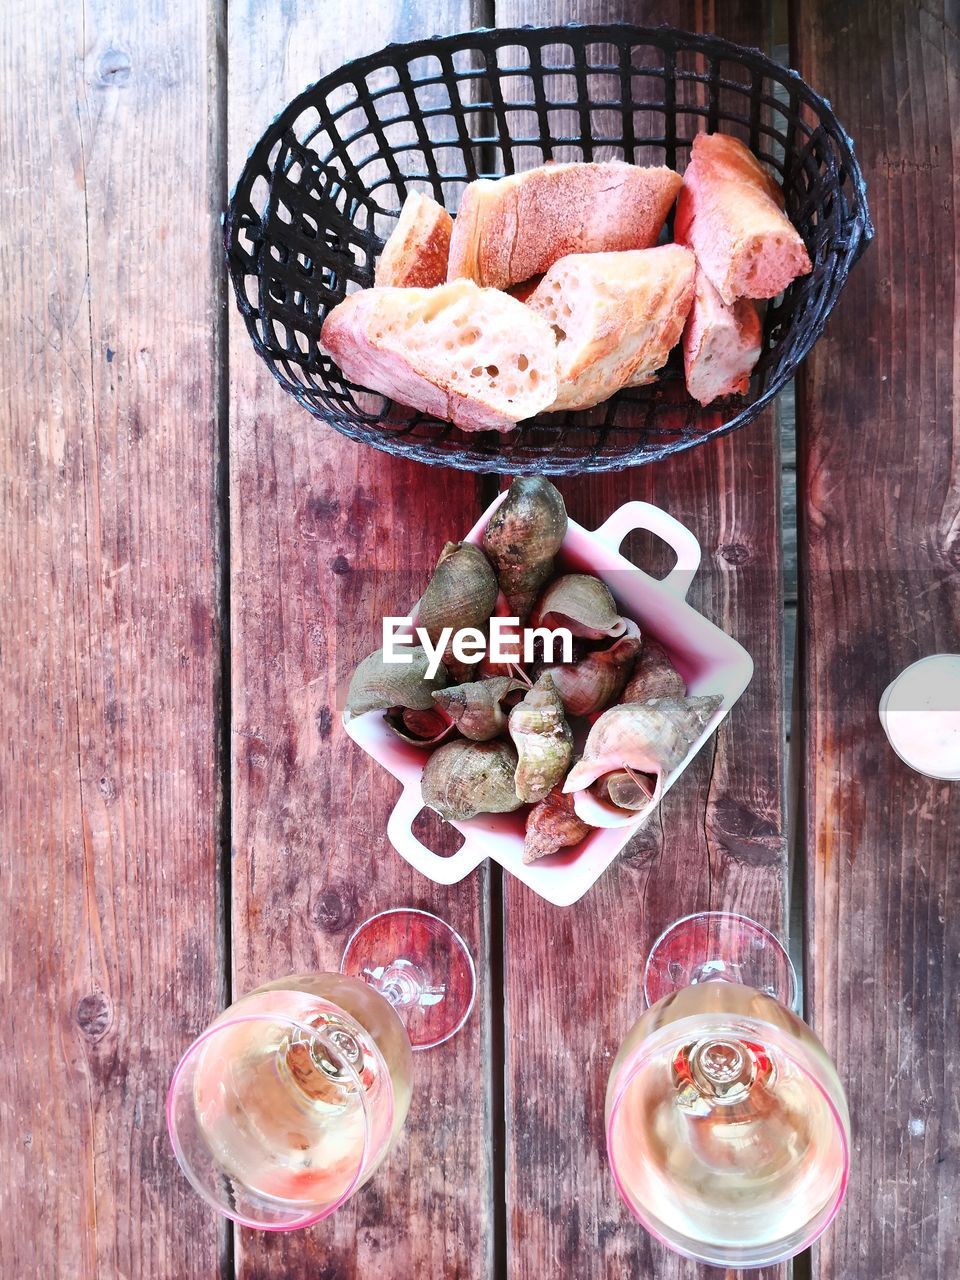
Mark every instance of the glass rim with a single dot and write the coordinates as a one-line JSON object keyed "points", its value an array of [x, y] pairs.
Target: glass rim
{"points": [[919, 662], [312, 1216], [740, 918], [777, 1253]]}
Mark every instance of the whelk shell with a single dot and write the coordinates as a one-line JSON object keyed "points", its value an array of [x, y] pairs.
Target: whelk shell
{"points": [[462, 779], [477, 708], [649, 738], [543, 740], [462, 593], [598, 679], [377, 685], [552, 824], [581, 603], [654, 676], [522, 538]]}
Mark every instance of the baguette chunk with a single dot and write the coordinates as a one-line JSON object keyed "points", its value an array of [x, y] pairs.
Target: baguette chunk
{"points": [[721, 344], [616, 315], [472, 356], [415, 255], [509, 229], [730, 212]]}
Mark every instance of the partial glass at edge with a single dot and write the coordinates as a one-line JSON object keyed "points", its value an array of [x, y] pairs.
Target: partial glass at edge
{"points": [[728, 1132]]}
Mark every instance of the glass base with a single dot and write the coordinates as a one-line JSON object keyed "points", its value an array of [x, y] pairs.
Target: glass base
{"points": [[716, 945], [421, 965]]}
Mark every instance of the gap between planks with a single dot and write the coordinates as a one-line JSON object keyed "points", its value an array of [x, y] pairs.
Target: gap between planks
{"points": [[219, 74]]}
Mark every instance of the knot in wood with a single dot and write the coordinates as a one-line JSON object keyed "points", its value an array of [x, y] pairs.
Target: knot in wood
{"points": [[94, 1016], [329, 911], [746, 833], [114, 67], [735, 553]]}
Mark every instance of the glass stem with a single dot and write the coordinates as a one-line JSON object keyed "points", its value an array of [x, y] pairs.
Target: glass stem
{"points": [[401, 984]]}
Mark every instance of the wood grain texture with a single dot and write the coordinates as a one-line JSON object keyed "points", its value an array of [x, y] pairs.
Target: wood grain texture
{"points": [[326, 538], [111, 920], [879, 474], [573, 977]]}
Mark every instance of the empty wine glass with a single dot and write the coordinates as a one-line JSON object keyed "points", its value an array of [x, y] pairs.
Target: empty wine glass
{"points": [[293, 1096], [728, 1132]]}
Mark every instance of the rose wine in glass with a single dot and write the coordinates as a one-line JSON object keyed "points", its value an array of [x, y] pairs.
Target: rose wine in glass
{"points": [[727, 1127], [293, 1096]]}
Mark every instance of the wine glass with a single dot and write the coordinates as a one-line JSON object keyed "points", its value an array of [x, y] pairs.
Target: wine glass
{"points": [[293, 1096], [920, 714], [728, 1132]]}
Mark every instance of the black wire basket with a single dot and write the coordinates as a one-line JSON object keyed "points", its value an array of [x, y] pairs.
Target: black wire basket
{"points": [[323, 187]]}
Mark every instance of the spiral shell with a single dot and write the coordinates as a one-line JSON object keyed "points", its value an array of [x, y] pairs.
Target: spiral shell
{"points": [[543, 740], [649, 738], [552, 824], [581, 603], [522, 538], [462, 779], [477, 708], [654, 676], [377, 685], [591, 684], [461, 593]]}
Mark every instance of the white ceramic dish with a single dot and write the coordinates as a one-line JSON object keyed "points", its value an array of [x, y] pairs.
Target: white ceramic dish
{"points": [[709, 660]]}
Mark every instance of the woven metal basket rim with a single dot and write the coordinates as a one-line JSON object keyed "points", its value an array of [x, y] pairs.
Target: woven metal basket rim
{"points": [[861, 229]]}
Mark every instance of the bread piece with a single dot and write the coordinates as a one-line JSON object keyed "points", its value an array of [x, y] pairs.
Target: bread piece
{"points": [[721, 344], [616, 315], [415, 256], [509, 229], [473, 356], [730, 212]]}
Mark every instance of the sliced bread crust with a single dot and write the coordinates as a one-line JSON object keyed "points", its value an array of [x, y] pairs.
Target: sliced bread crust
{"points": [[472, 356], [512, 228], [415, 255], [617, 316], [721, 344], [730, 212]]}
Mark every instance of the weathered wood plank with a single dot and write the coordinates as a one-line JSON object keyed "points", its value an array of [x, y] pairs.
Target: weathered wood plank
{"points": [[573, 976], [327, 537], [111, 920], [878, 433]]}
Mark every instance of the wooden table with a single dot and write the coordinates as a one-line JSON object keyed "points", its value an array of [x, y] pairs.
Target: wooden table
{"points": [[190, 565]]}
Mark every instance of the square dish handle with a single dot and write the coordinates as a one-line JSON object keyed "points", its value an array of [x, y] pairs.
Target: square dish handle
{"points": [[440, 870], [643, 515]]}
